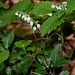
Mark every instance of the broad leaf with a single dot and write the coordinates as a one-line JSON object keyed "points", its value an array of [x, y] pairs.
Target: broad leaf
{"points": [[26, 59], [31, 49], [13, 58], [3, 56], [25, 67], [56, 54], [70, 5], [40, 72], [61, 62], [21, 5], [6, 18], [42, 8], [8, 38], [18, 67], [64, 73], [23, 45], [51, 24]]}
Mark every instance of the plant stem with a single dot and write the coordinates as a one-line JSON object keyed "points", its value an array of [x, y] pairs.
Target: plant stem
{"points": [[44, 51], [35, 37]]}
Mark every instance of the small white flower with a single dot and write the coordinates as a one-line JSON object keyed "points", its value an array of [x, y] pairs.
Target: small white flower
{"points": [[28, 18], [16, 13], [65, 8], [60, 8], [19, 15], [65, 3], [31, 24], [38, 25], [25, 19], [23, 16], [34, 28], [57, 7]]}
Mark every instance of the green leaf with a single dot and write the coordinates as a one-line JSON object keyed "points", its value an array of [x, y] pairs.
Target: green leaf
{"points": [[4, 6], [2, 66], [26, 67], [51, 24], [42, 8], [38, 65], [61, 62], [56, 54], [70, 5], [13, 58], [8, 38], [6, 18], [26, 59], [40, 72], [23, 45], [23, 66], [31, 49], [2, 47], [18, 67], [3, 56], [27, 62], [60, 13], [64, 73], [21, 5]]}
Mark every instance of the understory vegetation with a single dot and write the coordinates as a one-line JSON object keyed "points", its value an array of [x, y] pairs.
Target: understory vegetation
{"points": [[37, 38]]}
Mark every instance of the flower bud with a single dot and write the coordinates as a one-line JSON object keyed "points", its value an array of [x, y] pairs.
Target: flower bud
{"points": [[52, 6], [34, 28], [31, 24], [38, 25]]}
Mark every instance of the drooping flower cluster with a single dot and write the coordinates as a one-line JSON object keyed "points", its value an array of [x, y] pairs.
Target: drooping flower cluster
{"points": [[34, 25], [62, 7]]}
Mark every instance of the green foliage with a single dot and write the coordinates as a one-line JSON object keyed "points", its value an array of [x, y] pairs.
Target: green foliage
{"points": [[6, 18], [8, 38], [14, 58], [4, 6], [42, 8], [23, 45], [23, 65], [2, 47], [51, 24], [56, 57], [22, 59], [61, 62], [70, 5], [4, 56], [2, 66], [64, 73], [22, 5]]}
